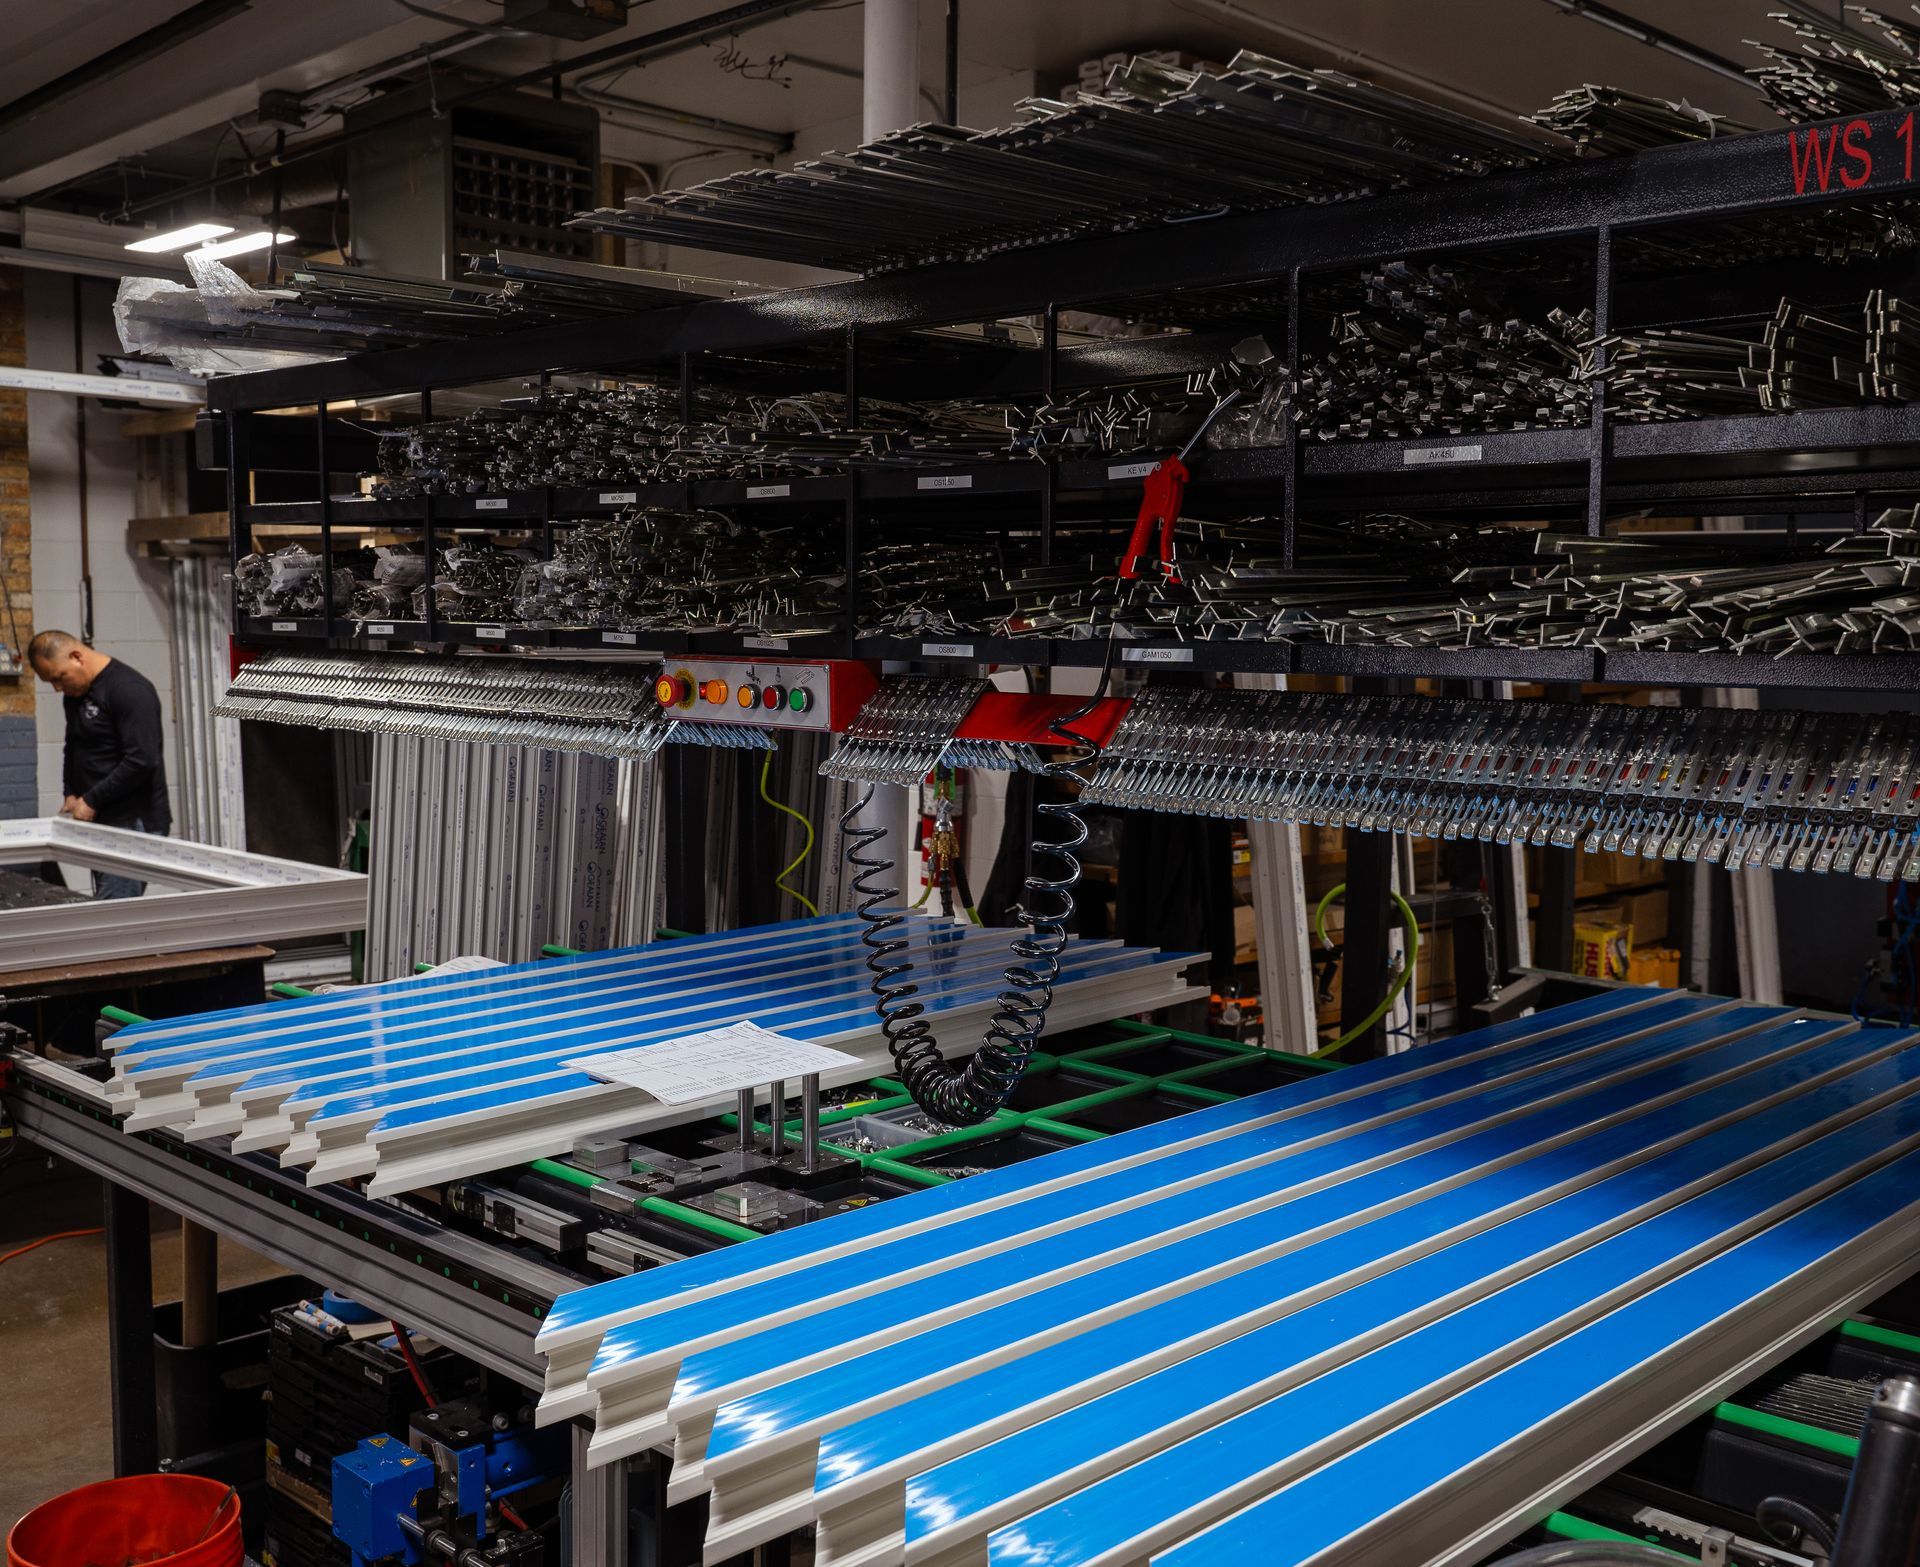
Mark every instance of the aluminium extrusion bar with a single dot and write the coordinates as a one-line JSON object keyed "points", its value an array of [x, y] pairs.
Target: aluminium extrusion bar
{"points": [[1314, 1123], [185, 1075], [551, 1117], [573, 1331], [1480, 1239], [423, 1163], [340, 1131], [871, 1431], [1210, 1475], [226, 1096], [1451, 1475], [1257, 1208]]}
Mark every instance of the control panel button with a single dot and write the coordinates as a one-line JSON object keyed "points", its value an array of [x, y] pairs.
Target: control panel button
{"points": [[748, 697], [800, 699], [774, 697], [714, 691], [673, 691]]}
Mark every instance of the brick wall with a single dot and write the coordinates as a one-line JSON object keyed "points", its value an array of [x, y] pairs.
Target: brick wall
{"points": [[17, 754]]}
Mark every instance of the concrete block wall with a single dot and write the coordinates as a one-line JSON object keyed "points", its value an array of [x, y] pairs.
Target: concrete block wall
{"points": [[131, 619], [19, 795]]}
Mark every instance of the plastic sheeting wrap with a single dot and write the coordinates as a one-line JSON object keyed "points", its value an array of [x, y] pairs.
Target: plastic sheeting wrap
{"points": [[190, 326], [1389, 1315]]}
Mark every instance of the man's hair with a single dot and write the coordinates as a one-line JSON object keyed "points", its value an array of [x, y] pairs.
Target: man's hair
{"points": [[51, 645]]}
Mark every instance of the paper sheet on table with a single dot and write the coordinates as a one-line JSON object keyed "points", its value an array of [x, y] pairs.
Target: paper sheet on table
{"points": [[705, 1066]]}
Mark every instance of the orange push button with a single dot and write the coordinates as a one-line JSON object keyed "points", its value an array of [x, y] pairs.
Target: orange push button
{"points": [[714, 691], [748, 697]]}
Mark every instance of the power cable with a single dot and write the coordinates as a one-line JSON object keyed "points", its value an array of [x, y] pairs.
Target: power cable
{"points": [[780, 881]]}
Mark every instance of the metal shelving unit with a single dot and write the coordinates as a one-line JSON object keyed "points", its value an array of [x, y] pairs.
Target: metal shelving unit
{"points": [[1834, 459]]}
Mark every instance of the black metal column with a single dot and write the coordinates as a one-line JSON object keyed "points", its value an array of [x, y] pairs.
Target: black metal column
{"points": [[136, 1435], [1363, 969]]}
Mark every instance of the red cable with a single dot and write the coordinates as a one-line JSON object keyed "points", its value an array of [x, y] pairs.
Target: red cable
{"points": [[513, 1518], [45, 1240], [412, 1360]]}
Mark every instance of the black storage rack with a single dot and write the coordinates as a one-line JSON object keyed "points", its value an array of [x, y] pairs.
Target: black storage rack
{"points": [[1832, 460]]}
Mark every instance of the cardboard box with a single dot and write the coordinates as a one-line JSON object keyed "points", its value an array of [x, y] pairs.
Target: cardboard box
{"points": [[1602, 949], [1655, 966]]}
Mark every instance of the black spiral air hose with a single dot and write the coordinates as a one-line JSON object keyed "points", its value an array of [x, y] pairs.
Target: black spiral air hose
{"points": [[967, 1095]]}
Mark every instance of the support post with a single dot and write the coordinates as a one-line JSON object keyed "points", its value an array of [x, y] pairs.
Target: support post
{"points": [[889, 66], [136, 1422], [599, 1507]]}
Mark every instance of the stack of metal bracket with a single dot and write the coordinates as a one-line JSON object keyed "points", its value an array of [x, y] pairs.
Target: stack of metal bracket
{"points": [[1733, 787], [924, 581], [289, 582], [906, 728], [474, 583], [1606, 121], [1838, 70], [448, 1076], [560, 706], [659, 570], [1798, 358], [1431, 351], [1157, 143], [1382, 1318]]}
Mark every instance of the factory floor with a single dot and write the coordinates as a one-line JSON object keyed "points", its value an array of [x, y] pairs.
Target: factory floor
{"points": [[53, 1327]]}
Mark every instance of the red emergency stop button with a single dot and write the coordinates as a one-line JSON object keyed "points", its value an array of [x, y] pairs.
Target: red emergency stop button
{"points": [[672, 691]]}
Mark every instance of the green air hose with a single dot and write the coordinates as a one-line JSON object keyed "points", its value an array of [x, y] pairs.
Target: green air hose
{"points": [[1405, 977]]}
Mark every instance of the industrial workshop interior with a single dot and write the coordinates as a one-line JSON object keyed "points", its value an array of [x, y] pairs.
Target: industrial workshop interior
{"points": [[959, 783]]}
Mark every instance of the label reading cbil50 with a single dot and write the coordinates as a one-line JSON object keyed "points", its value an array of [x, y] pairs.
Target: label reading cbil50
{"points": [[1822, 156]]}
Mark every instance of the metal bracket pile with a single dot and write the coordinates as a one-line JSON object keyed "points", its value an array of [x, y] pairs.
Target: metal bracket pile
{"points": [[605, 711], [1733, 787]]}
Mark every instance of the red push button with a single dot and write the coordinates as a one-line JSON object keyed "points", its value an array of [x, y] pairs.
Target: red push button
{"points": [[774, 697]]}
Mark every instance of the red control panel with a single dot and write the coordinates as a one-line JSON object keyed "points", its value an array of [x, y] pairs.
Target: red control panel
{"points": [[770, 693]]}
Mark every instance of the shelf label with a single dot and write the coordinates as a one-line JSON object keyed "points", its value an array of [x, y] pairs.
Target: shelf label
{"points": [[768, 492], [383, 629], [1131, 470], [766, 644], [946, 650], [491, 503], [620, 639], [491, 633], [1421, 456], [946, 481], [619, 497], [698, 1067], [1156, 655], [286, 625]]}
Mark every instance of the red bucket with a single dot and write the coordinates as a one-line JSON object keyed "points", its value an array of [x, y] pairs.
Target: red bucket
{"points": [[141, 1521]]}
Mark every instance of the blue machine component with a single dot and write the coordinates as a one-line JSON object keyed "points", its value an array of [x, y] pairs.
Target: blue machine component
{"points": [[374, 1486], [389, 1498]]}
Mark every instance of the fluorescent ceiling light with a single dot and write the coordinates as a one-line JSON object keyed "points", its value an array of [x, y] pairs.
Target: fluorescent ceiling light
{"points": [[240, 246], [179, 239]]}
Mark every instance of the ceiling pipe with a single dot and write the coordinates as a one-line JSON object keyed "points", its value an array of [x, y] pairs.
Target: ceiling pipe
{"points": [[655, 45], [890, 67], [157, 40]]}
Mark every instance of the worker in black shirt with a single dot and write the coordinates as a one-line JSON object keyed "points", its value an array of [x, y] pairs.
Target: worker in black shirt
{"points": [[112, 768]]}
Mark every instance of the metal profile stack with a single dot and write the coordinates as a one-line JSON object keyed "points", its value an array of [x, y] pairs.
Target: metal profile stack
{"points": [[1156, 143], [448, 1076], [1387, 1316], [497, 850], [1733, 787]]}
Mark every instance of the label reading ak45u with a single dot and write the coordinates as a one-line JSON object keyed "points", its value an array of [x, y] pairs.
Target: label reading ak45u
{"points": [[1846, 154]]}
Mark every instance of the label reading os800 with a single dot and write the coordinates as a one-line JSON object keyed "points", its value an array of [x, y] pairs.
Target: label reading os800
{"points": [[768, 492]]}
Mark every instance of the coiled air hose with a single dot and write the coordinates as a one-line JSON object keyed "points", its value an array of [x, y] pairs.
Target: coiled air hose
{"points": [[967, 1095]]}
